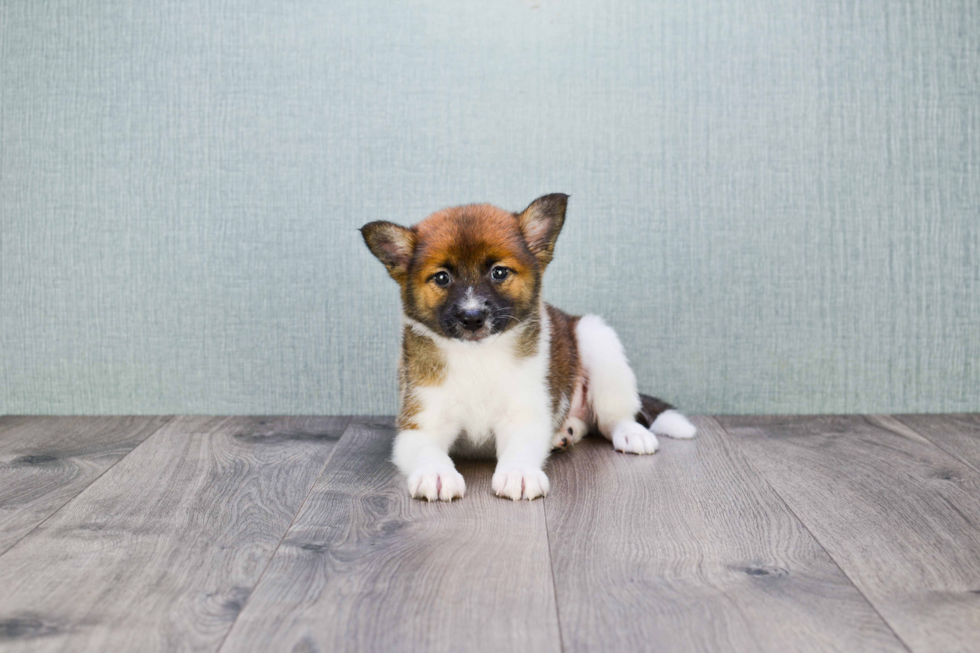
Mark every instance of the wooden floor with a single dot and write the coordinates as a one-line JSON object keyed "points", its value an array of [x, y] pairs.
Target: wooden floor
{"points": [[296, 534]]}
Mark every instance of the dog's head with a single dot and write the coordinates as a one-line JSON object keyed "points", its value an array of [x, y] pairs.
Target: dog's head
{"points": [[471, 271]]}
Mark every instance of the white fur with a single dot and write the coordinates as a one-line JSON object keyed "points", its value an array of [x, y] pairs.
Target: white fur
{"points": [[573, 430], [471, 302], [674, 425], [612, 386], [630, 437], [436, 481], [488, 392], [491, 398]]}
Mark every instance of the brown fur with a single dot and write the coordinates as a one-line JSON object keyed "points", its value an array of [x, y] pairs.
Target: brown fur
{"points": [[541, 222], [467, 240], [564, 368], [409, 407], [422, 364], [448, 268], [527, 343]]}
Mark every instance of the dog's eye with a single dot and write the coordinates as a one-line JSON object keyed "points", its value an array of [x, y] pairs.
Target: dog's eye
{"points": [[441, 278], [499, 273]]}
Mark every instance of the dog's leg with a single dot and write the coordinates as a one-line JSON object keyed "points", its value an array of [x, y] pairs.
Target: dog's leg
{"points": [[423, 456], [570, 432], [521, 453], [612, 388]]}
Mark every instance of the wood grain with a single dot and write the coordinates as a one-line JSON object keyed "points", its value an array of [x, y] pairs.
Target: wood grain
{"points": [[162, 551], [46, 461], [957, 435], [690, 550], [366, 568], [899, 515]]}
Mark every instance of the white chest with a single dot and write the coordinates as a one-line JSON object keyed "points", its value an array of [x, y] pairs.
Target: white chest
{"points": [[487, 386]]}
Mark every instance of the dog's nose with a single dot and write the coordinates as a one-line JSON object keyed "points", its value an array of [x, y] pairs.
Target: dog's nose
{"points": [[472, 319]]}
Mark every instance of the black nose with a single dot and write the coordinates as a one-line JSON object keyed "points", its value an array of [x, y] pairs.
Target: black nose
{"points": [[472, 320]]}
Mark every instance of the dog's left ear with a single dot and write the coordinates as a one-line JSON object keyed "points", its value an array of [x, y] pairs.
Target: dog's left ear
{"points": [[541, 223], [392, 244]]}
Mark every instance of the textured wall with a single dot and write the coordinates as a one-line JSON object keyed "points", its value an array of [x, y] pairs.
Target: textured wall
{"points": [[777, 204]]}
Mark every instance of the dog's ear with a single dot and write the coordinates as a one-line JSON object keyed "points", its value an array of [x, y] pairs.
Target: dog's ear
{"points": [[541, 223], [392, 244]]}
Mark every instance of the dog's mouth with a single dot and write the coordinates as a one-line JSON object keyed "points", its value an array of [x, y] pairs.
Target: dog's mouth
{"points": [[457, 332], [495, 323], [473, 336]]}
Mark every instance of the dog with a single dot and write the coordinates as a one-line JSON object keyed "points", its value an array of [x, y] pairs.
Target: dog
{"points": [[488, 367]]}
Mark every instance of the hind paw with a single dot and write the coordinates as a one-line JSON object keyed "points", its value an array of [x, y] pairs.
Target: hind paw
{"points": [[571, 432]]}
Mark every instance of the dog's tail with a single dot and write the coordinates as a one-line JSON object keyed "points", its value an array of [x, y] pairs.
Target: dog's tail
{"points": [[663, 419]]}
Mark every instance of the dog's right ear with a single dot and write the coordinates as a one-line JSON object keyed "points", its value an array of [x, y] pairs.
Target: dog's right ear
{"points": [[392, 244]]}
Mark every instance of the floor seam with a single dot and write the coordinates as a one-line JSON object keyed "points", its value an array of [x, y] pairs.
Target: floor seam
{"points": [[258, 581], [751, 465], [551, 565], [167, 419], [936, 444]]}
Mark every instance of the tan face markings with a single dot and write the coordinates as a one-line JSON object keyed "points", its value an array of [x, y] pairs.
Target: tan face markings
{"points": [[466, 242], [521, 283]]}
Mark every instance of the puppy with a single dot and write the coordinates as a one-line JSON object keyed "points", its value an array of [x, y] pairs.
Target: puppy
{"points": [[488, 367]]}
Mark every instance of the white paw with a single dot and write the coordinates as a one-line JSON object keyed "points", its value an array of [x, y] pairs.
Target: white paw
{"points": [[571, 432], [630, 437], [673, 425], [436, 483], [522, 483]]}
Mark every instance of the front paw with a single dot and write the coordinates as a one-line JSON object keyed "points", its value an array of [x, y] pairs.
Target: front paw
{"points": [[630, 437], [436, 483], [520, 483]]}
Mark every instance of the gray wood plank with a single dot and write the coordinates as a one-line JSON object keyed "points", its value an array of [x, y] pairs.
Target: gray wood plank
{"points": [[162, 551], [46, 461], [690, 550], [367, 568], [898, 514], [957, 435]]}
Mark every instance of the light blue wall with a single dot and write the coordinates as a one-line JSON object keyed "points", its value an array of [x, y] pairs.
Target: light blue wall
{"points": [[776, 203]]}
